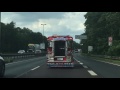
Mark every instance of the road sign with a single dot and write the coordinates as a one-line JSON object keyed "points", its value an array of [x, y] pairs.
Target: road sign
{"points": [[110, 39], [110, 43], [90, 48], [80, 36], [77, 36]]}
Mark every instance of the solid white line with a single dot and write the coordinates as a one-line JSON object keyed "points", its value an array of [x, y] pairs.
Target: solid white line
{"points": [[22, 61], [109, 63], [35, 68], [76, 59], [85, 66], [92, 73], [26, 72]]}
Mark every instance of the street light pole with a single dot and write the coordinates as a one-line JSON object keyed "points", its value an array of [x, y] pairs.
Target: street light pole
{"points": [[0, 36], [43, 31]]}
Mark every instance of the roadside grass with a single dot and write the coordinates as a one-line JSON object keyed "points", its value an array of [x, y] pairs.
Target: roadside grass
{"points": [[107, 60], [8, 60], [102, 59]]}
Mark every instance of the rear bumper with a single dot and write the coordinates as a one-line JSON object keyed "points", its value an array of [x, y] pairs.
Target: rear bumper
{"points": [[60, 64]]}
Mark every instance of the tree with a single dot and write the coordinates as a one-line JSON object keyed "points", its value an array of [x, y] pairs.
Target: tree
{"points": [[16, 38], [100, 26]]}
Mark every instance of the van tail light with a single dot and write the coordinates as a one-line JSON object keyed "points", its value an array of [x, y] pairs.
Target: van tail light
{"points": [[64, 58]]}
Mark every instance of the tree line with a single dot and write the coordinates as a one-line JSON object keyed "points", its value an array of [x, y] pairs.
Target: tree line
{"points": [[15, 38], [100, 26]]}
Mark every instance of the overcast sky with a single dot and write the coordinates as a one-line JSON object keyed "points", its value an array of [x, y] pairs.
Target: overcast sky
{"points": [[61, 23]]}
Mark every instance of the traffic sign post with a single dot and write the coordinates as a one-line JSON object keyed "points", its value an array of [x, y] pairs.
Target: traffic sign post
{"points": [[110, 39], [83, 37], [80, 36]]}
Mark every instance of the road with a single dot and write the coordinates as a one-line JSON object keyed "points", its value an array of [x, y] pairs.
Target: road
{"points": [[84, 68]]}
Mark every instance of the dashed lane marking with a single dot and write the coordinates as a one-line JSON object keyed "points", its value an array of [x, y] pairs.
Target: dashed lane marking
{"points": [[92, 73], [35, 68], [85, 66]]}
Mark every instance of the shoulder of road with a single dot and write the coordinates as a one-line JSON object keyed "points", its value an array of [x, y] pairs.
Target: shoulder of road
{"points": [[102, 59]]}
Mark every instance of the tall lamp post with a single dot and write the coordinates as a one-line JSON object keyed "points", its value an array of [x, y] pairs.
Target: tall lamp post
{"points": [[43, 31], [43, 37], [0, 36]]}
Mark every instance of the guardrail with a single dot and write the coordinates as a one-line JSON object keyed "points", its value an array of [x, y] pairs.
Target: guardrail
{"points": [[25, 55]]}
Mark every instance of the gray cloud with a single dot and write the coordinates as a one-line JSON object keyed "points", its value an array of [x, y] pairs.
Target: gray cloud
{"points": [[34, 16], [64, 23]]}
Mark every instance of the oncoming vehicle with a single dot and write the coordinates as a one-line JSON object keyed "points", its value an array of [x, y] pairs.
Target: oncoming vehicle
{"points": [[33, 48], [21, 51], [37, 51], [60, 51], [2, 67]]}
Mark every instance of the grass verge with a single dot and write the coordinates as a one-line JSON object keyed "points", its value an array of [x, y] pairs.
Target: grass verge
{"points": [[103, 59], [8, 60]]}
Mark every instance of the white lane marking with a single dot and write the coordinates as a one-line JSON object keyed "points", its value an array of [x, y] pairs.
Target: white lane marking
{"points": [[76, 59], [26, 72], [109, 63], [85, 66], [23, 61], [81, 63], [92, 73], [35, 68]]}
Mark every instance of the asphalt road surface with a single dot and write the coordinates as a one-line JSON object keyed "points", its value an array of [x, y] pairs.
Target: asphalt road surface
{"points": [[84, 68]]}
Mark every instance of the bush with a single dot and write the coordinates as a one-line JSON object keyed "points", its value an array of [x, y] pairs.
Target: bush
{"points": [[8, 60], [114, 50]]}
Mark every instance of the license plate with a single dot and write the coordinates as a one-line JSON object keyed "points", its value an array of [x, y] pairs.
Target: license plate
{"points": [[59, 58]]}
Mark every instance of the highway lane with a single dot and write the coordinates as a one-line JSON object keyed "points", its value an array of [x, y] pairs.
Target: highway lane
{"points": [[37, 68], [85, 67], [105, 70], [18, 68], [42, 71]]}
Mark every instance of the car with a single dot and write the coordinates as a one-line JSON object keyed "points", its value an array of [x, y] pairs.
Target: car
{"points": [[37, 51], [2, 67], [30, 51], [21, 51]]}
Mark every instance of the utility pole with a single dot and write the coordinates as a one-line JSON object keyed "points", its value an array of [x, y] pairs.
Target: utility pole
{"points": [[0, 36]]}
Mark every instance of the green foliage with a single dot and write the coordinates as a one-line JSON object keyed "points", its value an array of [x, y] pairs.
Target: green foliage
{"points": [[114, 50], [16, 38], [76, 45], [100, 26]]}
